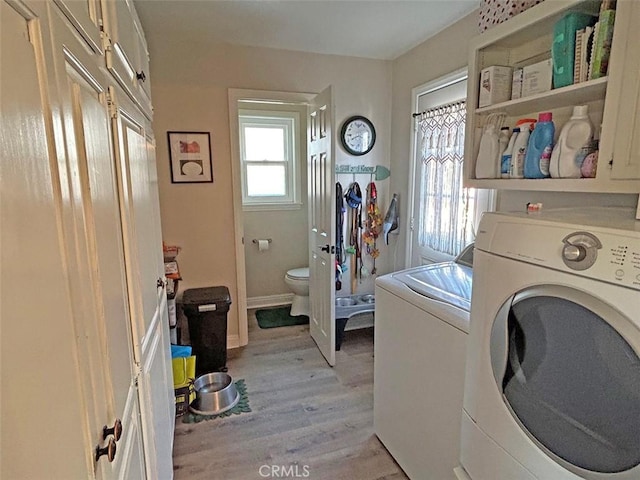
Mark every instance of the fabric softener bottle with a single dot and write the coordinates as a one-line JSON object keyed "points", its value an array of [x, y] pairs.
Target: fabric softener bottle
{"points": [[576, 134], [520, 150], [536, 163]]}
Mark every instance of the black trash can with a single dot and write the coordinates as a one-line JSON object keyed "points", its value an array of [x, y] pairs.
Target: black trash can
{"points": [[206, 311]]}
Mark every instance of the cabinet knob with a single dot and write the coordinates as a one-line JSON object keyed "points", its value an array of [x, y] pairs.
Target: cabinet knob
{"points": [[141, 76], [116, 430], [109, 450]]}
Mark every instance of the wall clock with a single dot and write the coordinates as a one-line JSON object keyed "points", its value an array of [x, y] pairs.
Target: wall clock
{"points": [[357, 135]]}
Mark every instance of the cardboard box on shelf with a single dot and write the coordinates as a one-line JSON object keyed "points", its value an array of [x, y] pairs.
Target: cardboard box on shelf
{"points": [[495, 85], [537, 78], [170, 252], [516, 84]]}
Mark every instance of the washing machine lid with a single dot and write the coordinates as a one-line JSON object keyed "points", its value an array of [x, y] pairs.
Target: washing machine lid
{"points": [[448, 282], [299, 273]]}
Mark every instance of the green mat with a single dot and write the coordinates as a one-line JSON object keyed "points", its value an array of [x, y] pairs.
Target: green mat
{"points": [[279, 317], [241, 407]]}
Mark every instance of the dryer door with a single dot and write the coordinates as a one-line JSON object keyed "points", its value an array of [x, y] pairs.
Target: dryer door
{"points": [[568, 369]]}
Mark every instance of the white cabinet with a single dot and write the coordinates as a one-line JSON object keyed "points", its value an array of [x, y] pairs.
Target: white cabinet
{"points": [[143, 252], [527, 38], [84, 324], [624, 92], [126, 51], [86, 18]]}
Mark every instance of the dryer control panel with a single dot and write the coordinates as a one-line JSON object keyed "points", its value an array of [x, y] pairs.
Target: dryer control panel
{"points": [[580, 250], [604, 254]]}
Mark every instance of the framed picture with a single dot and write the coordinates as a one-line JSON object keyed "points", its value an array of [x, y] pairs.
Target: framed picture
{"points": [[190, 157]]}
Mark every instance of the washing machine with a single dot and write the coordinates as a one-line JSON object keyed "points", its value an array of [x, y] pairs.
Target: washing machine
{"points": [[422, 324], [552, 387]]}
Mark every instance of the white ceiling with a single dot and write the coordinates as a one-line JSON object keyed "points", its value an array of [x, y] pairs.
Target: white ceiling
{"points": [[382, 29]]}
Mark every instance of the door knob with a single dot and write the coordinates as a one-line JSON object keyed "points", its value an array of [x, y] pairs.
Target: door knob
{"points": [[141, 76], [109, 450], [160, 283], [116, 430]]}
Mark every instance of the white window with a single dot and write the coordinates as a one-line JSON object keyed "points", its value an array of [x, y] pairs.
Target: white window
{"points": [[269, 155], [445, 215]]}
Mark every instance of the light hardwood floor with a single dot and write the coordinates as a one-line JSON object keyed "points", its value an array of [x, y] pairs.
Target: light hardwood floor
{"points": [[306, 417]]}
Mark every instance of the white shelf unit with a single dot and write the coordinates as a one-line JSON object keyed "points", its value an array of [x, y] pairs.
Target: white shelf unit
{"points": [[526, 39]]}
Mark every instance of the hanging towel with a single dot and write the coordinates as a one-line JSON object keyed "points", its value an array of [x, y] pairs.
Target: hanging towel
{"points": [[391, 218]]}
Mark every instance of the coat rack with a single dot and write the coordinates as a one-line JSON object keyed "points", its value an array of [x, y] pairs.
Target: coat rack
{"points": [[379, 171]]}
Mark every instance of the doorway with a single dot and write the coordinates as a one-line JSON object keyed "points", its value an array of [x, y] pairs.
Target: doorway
{"points": [[444, 215], [260, 272]]}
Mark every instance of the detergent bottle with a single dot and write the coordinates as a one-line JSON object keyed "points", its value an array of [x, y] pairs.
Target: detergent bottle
{"points": [[536, 162], [487, 161], [503, 143], [576, 134], [520, 150], [507, 154]]}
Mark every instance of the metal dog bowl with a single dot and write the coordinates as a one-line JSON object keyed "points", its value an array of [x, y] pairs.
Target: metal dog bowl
{"points": [[215, 393], [345, 301], [367, 299]]}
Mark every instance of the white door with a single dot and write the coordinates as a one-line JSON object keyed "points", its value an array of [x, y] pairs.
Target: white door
{"points": [[426, 97], [143, 254], [322, 217], [103, 237], [443, 214], [38, 439], [99, 236], [66, 309]]}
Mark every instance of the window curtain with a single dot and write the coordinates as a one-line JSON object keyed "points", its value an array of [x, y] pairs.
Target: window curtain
{"points": [[444, 223]]}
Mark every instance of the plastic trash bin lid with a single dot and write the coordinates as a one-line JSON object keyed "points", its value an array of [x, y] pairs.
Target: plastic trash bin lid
{"points": [[206, 295]]}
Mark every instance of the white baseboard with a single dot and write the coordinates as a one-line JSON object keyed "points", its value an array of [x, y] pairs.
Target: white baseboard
{"points": [[270, 300]]}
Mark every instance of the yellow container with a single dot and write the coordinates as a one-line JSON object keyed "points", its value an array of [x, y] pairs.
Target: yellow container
{"points": [[184, 373]]}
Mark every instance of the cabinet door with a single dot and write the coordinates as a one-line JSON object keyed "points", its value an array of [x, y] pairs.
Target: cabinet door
{"points": [[140, 209], [143, 247], [92, 170], [42, 405], [126, 53], [625, 85], [85, 16], [130, 450], [63, 278], [157, 403]]}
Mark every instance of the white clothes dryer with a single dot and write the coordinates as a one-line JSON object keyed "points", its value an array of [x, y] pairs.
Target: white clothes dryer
{"points": [[552, 385]]}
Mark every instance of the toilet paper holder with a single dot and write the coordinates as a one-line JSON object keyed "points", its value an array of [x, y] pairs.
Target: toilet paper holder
{"points": [[255, 240]]}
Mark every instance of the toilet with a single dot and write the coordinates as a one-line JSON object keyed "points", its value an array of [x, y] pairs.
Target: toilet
{"points": [[298, 281]]}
